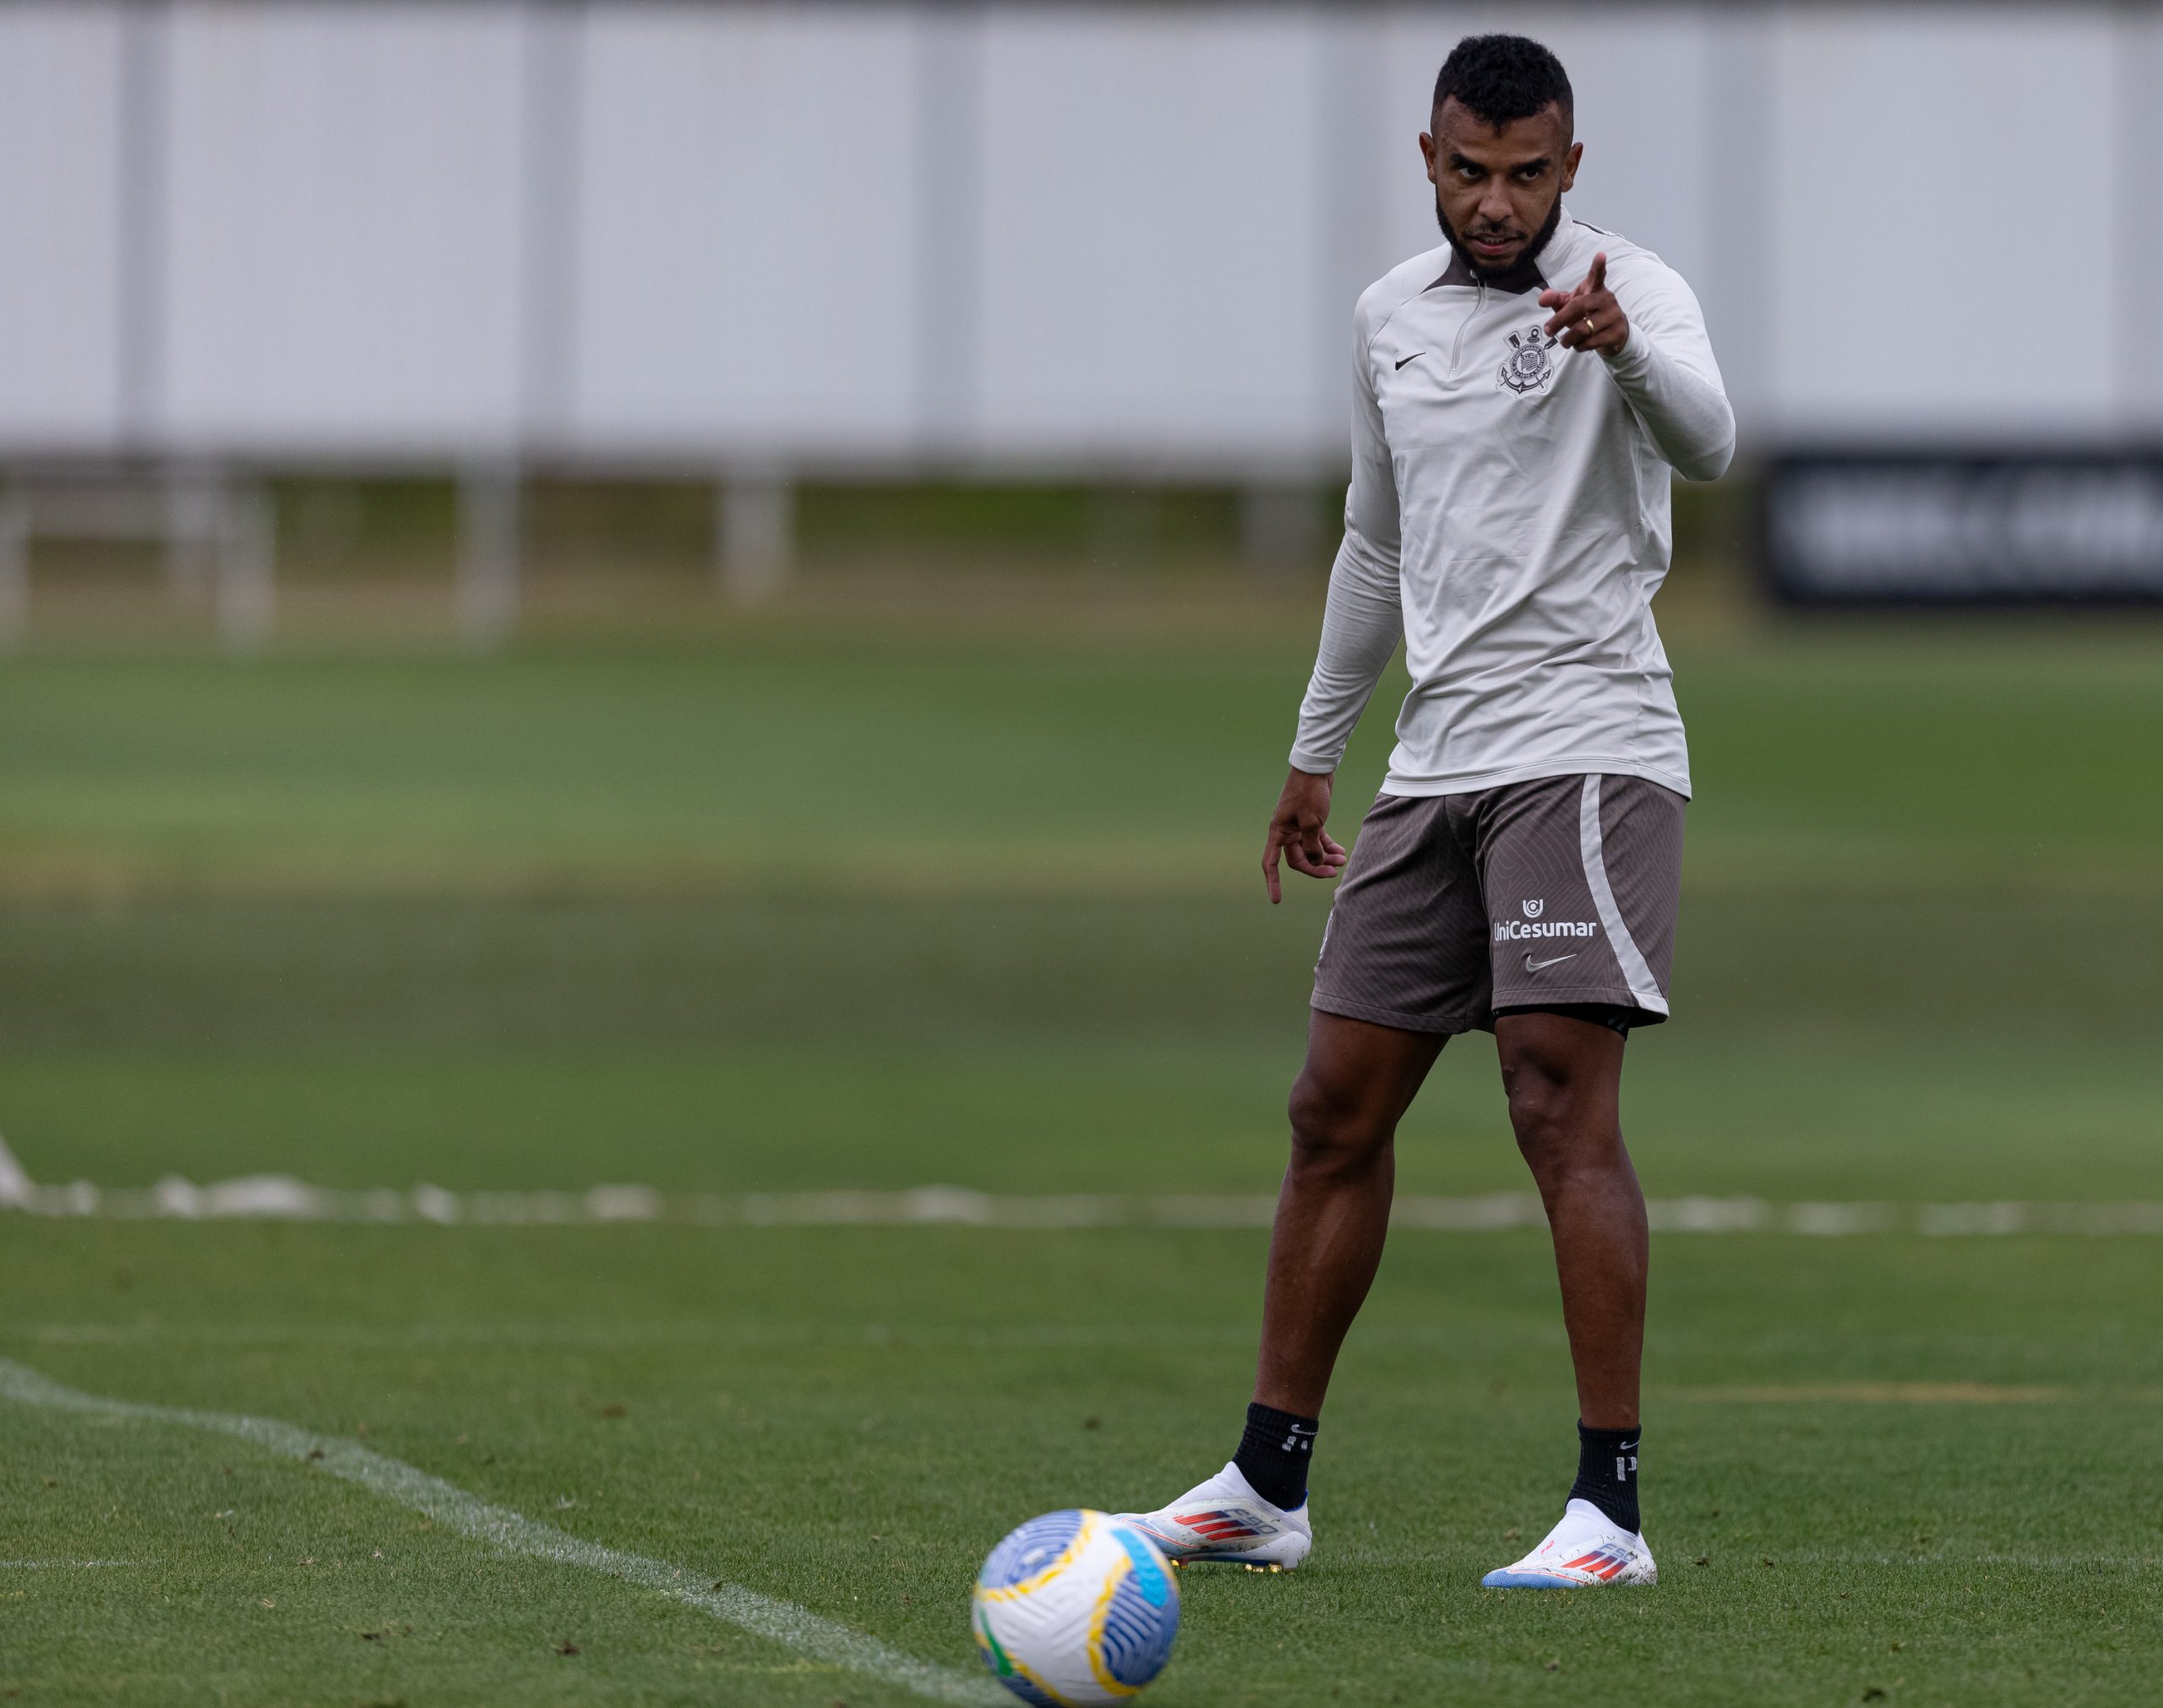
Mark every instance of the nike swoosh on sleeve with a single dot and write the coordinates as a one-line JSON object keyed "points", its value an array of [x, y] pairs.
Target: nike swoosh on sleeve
{"points": [[1414, 357]]}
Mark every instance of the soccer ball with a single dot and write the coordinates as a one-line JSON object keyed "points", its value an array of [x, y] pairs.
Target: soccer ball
{"points": [[1075, 1607]]}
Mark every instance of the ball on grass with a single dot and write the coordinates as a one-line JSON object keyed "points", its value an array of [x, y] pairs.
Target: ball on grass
{"points": [[1075, 1607]]}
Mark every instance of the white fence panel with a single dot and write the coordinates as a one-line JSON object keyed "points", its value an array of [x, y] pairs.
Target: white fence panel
{"points": [[1090, 237], [60, 228], [747, 201], [1949, 223], [1151, 261], [344, 206]]}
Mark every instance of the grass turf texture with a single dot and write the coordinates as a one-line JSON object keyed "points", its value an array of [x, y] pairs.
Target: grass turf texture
{"points": [[810, 909], [847, 1420]]}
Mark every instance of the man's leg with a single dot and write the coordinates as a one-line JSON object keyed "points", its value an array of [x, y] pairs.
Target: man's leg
{"points": [[1564, 1078], [1407, 949], [1581, 877], [1333, 1215], [1563, 1075], [1332, 1210]]}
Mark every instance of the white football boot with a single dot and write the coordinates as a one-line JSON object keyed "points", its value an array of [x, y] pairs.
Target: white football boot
{"points": [[1586, 1549], [1223, 1521]]}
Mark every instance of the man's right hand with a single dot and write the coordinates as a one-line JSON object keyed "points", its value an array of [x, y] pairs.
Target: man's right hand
{"points": [[1295, 830]]}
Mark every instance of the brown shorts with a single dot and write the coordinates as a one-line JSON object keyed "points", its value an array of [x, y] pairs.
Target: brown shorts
{"points": [[1555, 893]]}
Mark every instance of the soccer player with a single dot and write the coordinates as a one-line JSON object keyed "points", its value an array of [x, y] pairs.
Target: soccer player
{"points": [[1521, 395]]}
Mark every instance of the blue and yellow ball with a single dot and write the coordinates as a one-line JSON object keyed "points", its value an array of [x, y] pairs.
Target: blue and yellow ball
{"points": [[1075, 1608]]}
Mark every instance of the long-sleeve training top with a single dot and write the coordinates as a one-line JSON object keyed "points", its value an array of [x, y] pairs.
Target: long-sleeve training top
{"points": [[1509, 516]]}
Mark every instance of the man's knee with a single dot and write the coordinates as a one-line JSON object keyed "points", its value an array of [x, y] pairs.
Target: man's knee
{"points": [[1540, 1110], [1334, 1126], [1562, 1110]]}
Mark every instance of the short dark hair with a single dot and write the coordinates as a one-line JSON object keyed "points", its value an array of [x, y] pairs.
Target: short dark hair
{"points": [[1500, 78]]}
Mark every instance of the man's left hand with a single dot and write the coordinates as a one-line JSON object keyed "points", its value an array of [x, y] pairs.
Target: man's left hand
{"points": [[1589, 318]]}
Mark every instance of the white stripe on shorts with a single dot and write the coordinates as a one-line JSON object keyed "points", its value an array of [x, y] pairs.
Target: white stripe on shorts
{"points": [[1644, 989]]}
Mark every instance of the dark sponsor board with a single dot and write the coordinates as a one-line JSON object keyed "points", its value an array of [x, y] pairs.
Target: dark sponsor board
{"points": [[1914, 527]]}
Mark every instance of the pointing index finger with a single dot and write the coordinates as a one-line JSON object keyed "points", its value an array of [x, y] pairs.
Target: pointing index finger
{"points": [[1597, 279]]}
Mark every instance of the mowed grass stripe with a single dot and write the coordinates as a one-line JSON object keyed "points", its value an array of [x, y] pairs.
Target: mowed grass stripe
{"points": [[1892, 759], [511, 1532], [1040, 1337]]}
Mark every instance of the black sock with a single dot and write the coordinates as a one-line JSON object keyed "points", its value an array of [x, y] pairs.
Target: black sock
{"points": [[1607, 1474], [1272, 1454]]}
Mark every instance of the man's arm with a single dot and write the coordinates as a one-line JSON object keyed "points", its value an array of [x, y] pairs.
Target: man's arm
{"points": [[1360, 628], [1659, 356]]}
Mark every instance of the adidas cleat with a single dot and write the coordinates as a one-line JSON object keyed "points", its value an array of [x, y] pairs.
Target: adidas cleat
{"points": [[1223, 1521], [1586, 1549]]}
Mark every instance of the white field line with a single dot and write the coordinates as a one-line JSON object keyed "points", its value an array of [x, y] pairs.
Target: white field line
{"points": [[510, 1533], [281, 1198]]}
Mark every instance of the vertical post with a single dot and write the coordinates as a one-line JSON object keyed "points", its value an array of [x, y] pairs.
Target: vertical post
{"points": [[2137, 127], [1358, 142], [194, 532], [246, 589], [551, 143], [948, 228], [143, 45], [1280, 526], [755, 533], [1741, 190], [14, 568], [487, 554]]}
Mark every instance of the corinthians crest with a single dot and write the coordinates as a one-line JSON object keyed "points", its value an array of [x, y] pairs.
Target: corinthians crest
{"points": [[1527, 367]]}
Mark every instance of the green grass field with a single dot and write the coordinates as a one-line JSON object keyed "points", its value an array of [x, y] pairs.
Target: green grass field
{"points": [[800, 906]]}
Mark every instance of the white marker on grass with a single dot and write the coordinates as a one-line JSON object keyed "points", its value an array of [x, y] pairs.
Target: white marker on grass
{"points": [[17, 1190], [282, 1197]]}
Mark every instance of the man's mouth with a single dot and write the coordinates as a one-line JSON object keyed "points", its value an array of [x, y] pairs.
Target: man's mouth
{"points": [[1494, 243]]}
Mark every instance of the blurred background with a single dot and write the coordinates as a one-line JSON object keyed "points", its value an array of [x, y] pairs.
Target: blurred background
{"points": [[714, 594], [511, 305], [690, 614]]}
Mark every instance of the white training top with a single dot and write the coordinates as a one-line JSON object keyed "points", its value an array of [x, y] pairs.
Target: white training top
{"points": [[1509, 516]]}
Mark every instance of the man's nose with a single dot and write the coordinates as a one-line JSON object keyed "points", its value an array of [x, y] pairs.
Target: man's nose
{"points": [[1494, 204]]}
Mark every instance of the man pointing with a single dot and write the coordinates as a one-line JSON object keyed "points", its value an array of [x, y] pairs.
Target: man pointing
{"points": [[1522, 395]]}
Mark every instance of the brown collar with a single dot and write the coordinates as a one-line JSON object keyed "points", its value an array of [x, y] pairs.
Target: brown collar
{"points": [[1459, 272]]}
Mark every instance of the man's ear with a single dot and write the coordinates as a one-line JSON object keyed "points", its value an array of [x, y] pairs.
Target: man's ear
{"points": [[1427, 153], [1570, 166]]}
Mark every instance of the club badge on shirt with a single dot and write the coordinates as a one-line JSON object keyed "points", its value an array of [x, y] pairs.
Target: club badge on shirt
{"points": [[1527, 367]]}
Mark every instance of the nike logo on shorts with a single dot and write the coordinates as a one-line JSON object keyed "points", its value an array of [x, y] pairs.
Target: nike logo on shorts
{"points": [[1532, 966]]}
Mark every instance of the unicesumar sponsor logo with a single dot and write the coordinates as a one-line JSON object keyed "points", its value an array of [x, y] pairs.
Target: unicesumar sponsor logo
{"points": [[1532, 925]]}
